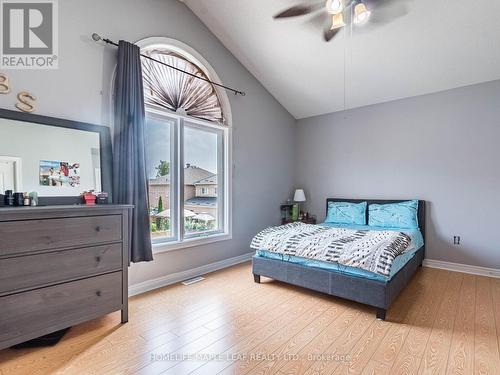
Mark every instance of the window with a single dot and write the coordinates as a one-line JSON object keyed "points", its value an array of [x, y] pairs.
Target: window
{"points": [[202, 150], [159, 162], [188, 150], [178, 92]]}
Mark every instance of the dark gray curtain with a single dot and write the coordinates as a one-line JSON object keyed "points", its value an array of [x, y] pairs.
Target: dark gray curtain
{"points": [[129, 160]]}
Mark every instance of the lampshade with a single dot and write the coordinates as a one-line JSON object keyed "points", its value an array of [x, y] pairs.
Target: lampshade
{"points": [[299, 196], [361, 14], [337, 21]]}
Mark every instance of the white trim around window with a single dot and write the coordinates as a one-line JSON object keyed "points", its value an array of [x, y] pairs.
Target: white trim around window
{"points": [[180, 240]]}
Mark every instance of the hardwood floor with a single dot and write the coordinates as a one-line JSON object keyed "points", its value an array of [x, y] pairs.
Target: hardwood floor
{"points": [[442, 323]]}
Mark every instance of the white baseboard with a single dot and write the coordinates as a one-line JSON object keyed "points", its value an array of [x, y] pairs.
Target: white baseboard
{"points": [[457, 267], [174, 278]]}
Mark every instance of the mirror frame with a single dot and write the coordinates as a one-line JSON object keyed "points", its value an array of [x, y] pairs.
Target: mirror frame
{"points": [[106, 153]]}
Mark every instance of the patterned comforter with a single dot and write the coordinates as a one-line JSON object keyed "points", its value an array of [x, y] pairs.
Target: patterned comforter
{"points": [[370, 250]]}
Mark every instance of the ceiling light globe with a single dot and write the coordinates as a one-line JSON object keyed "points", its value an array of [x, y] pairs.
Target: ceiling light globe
{"points": [[334, 6], [361, 14]]}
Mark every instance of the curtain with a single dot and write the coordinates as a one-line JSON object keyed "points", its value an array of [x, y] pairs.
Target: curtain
{"points": [[129, 160]]}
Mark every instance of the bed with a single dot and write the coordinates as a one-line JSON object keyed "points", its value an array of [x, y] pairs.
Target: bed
{"points": [[361, 287]]}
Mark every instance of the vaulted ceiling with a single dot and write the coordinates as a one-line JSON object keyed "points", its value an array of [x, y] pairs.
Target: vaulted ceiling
{"points": [[431, 46]]}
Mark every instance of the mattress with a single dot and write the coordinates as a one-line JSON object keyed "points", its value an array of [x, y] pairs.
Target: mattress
{"points": [[417, 241]]}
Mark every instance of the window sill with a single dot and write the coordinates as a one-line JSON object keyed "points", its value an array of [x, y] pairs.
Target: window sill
{"points": [[164, 247]]}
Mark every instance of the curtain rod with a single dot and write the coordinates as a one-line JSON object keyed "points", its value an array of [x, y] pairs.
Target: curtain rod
{"points": [[96, 37]]}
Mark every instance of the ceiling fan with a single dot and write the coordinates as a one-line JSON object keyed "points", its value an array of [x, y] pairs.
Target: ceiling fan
{"points": [[341, 12]]}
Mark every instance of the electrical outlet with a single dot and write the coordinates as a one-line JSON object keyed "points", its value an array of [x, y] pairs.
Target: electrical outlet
{"points": [[456, 240]]}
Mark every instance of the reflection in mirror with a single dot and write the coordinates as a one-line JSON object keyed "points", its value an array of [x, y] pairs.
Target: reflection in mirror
{"points": [[50, 160]]}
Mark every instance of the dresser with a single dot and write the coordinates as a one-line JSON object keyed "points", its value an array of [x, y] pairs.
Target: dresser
{"points": [[61, 266]]}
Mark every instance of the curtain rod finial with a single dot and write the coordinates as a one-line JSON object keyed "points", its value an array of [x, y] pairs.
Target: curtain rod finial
{"points": [[96, 37]]}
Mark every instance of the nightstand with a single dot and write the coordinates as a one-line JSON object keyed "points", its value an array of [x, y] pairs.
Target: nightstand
{"points": [[310, 220], [286, 216]]}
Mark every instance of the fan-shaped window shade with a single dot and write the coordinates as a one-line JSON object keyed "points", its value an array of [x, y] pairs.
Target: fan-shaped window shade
{"points": [[167, 88]]}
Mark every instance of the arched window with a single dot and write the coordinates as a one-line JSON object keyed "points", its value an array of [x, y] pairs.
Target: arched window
{"points": [[167, 88], [188, 136]]}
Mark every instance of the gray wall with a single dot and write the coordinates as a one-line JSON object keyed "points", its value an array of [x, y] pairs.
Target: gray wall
{"points": [[442, 147], [263, 130]]}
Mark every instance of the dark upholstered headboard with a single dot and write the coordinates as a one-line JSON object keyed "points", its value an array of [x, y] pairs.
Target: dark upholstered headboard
{"points": [[420, 213]]}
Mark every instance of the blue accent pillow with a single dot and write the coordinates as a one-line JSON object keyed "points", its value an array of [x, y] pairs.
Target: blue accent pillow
{"points": [[394, 215], [346, 213]]}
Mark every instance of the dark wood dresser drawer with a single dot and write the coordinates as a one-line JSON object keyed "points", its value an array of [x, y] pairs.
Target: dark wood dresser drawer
{"points": [[61, 266], [31, 271], [33, 313], [33, 235]]}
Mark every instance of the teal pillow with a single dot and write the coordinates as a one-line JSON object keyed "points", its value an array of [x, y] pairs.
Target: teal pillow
{"points": [[346, 213], [394, 215]]}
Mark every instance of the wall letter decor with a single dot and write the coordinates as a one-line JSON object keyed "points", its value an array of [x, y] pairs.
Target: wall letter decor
{"points": [[25, 102], [4, 84]]}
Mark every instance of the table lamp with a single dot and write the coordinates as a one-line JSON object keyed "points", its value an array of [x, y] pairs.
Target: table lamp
{"points": [[298, 197]]}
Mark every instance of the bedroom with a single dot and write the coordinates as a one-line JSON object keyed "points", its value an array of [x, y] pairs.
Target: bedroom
{"points": [[402, 108]]}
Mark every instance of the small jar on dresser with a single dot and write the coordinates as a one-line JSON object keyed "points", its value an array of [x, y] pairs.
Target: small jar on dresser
{"points": [[61, 266]]}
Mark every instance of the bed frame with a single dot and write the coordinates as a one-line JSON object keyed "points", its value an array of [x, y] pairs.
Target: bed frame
{"points": [[378, 294]]}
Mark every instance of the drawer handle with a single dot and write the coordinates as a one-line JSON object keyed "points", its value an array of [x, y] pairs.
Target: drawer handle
{"points": [[98, 293], [97, 259], [98, 229]]}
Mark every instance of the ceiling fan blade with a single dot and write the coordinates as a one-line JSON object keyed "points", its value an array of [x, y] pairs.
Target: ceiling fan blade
{"points": [[319, 20], [329, 34], [386, 15], [383, 3], [385, 11], [299, 10]]}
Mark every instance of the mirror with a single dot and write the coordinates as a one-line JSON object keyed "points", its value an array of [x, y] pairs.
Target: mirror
{"points": [[49, 160], [53, 157]]}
